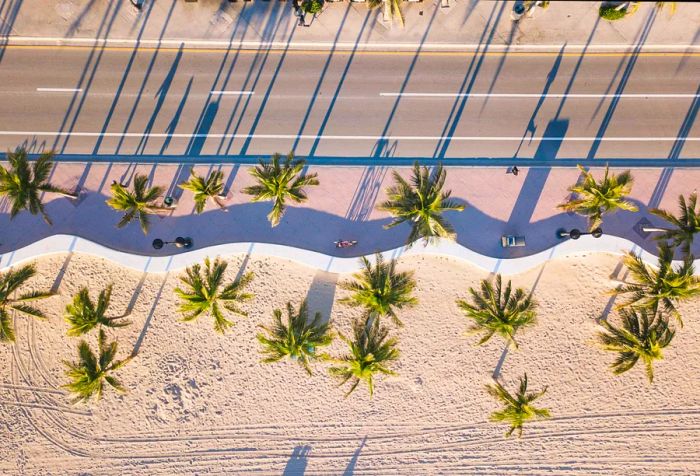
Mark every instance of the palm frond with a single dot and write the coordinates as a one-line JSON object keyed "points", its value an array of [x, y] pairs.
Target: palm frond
{"points": [[421, 203], [498, 311], [644, 334], [298, 339], [371, 351], [594, 199], [518, 408], [203, 292], [278, 182], [380, 289]]}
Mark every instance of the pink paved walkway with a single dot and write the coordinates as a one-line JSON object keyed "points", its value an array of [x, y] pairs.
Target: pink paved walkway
{"points": [[343, 206]]}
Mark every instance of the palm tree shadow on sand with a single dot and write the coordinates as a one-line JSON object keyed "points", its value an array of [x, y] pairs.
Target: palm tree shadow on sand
{"points": [[350, 470], [296, 466]]}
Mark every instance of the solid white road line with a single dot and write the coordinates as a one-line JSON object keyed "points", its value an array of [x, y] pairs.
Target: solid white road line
{"points": [[336, 137], [233, 93], [59, 90], [533, 95]]}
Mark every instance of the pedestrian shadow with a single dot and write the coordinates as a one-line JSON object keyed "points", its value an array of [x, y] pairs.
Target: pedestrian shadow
{"points": [[535, 181], [551, 76], [350, 469], [321, 294], [296, 465]]}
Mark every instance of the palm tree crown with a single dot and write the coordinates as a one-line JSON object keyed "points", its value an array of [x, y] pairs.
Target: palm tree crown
{"points": [[205, 189], [370, 353], [89, 374], [298, 339], [518, 409], [498, 311], [686, 225], [641, 336], [393, 7], [594, 199], [137, 204], [10, 282], [664, 286], [421, 203], [206, 293], [380, 289], [23, 184], [83, 315], [278, 182]]}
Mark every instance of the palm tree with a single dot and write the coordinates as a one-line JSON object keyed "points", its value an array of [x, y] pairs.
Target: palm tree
{"points": [[205, 189], [370, 353], [279, 182], [298, 339], [380, 289], [83, 315], [421, 203], [498, 311], [518, 409], [686, 225], [23, 184], [390, 9], [665, 286], [641, 336], [594, 199], [89, 374], [206, 293], [139, 203], [671, 7], [10, 282]]}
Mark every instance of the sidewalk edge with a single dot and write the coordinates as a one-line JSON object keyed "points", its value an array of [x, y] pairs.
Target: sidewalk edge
{"points": [[342, 46]]}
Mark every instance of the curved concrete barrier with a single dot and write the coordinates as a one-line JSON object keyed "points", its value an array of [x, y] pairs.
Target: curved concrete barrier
{"points": [[161, 264]]}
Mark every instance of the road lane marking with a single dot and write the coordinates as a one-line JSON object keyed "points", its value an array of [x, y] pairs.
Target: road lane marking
{"points": [[536, 96], [338, 137], [59, 90], [233, 93]]}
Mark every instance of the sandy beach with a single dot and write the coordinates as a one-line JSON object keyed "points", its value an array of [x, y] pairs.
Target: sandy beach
{"points": [[202, 403]]}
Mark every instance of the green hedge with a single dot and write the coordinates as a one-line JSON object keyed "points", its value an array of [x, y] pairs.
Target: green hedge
{"points": [[611, 13], [312, 6]]}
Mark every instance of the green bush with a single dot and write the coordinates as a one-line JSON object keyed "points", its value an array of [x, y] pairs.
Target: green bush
{"points": [[312, 6], [611, 13]]}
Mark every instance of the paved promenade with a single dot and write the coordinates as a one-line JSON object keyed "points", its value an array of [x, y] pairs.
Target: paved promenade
{"points": [[342, 206]]}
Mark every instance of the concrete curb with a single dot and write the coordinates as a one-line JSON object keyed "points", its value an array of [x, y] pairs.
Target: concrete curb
{"points": [[73, 244], [192, 44]]}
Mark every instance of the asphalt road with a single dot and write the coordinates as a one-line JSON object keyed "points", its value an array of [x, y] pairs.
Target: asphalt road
{"points": [[121, 102]]}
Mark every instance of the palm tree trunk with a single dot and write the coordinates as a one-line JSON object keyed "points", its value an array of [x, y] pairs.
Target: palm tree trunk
{"points": [[219, 202], [116, 318], [66, 194]]}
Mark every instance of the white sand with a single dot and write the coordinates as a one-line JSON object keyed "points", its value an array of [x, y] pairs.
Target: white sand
{"points": [[202, 403]]}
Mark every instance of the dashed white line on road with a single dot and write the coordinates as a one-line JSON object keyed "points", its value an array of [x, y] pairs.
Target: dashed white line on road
{"points": [[535, 95], [233, 93], [59, 90], [338, 137]]}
